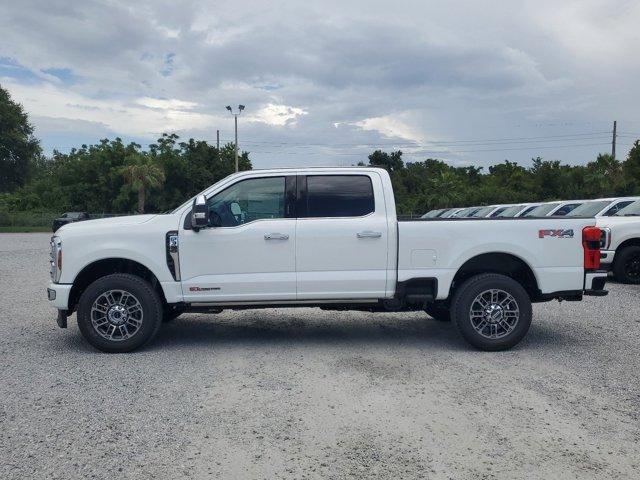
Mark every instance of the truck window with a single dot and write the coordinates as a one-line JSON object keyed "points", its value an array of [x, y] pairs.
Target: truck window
{"points": [[631, 210], [246, 201], [510, 211], [588, 209], [497, 212], [339, 196], [565, 209], [617, 207], [540, 210]]}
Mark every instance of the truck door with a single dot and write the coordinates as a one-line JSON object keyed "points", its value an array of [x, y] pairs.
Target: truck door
{"points": [[341, 237], [248, 251]]}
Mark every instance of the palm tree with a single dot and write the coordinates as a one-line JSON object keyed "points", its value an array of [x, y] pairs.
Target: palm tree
{"points": [[444, 190], [141, 173]]}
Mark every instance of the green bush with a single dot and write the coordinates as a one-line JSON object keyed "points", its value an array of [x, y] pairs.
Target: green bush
{"points": [[27, 219]]}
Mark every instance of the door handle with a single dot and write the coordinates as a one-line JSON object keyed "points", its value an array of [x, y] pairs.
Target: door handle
{"points": [[276, 236], [369, 234]]}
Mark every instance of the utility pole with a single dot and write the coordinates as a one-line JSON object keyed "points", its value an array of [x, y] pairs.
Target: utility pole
{"points": [[218, 139], [235, 116], [613, 139]]}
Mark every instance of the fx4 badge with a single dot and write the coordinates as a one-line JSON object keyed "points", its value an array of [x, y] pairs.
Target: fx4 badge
{"points": [[558, 233]]}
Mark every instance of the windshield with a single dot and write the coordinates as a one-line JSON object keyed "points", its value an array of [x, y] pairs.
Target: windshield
{"points": [[588, 209], [632, 210], [463, 212], [541, 210], [483, 212], [510, 211], [472, 211], [498, 211], [432, 213], [527, 210]]}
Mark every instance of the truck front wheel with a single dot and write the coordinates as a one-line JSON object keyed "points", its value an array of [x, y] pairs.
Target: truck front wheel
{"points": [[491, 311], [119, 313], [626, 265]]}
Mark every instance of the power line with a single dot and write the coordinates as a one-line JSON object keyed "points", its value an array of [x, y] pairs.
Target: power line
{"points": [[534, 143], [280, 152], [418, 146], [580, 136]]}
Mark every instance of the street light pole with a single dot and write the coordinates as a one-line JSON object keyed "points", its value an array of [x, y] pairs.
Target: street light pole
{"points": [[235, 117]]}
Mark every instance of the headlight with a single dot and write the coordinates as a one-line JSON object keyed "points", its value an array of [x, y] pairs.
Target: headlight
{"points": [[55, 261]]}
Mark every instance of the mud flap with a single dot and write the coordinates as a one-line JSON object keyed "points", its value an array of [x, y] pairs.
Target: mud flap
{"points": [[62, 318]]}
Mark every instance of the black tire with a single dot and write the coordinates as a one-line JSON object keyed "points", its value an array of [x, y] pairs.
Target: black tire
{"points": [[148, 321], [626, 265], [466, 297], [170, 313], [440, 313]]}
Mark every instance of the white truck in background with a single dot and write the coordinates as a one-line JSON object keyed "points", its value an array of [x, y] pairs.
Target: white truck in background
{"points": [[620, 243], [323, 237]]}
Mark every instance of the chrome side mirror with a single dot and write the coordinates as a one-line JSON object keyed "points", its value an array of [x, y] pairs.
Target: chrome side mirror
{"points": [[199, 217]]}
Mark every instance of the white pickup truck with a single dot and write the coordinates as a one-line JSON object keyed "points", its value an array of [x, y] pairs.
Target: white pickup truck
{"points": [[321, 237], [620, 243]]}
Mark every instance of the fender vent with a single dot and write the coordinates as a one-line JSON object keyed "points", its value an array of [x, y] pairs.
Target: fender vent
{"points": [[173, 255]]}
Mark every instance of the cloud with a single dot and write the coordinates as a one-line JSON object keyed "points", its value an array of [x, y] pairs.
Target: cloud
{"points": [[328, 81], [278, 115], [166, 104], [146, 117], [391, 127]]}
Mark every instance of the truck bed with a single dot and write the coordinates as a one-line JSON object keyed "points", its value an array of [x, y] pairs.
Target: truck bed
{"points": [[550, 246]]}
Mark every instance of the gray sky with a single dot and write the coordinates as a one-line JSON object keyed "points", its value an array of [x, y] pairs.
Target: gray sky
{"points": [[325, 83]]}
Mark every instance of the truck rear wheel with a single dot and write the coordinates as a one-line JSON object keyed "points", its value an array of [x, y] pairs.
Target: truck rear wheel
{"points": [[626, 265], [491, 311], [119, 313]]}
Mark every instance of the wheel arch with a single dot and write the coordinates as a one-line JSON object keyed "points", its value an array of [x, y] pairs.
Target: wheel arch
{"points": [[107, 266], [619, 265], [503, 263], [630, 242]]}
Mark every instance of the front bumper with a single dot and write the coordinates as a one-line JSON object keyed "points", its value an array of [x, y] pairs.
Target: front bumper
{"points": [[58, 295], [606, 257]]}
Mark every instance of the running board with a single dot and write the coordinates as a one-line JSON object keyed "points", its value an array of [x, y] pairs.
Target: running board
{"points": [[267, 304]]}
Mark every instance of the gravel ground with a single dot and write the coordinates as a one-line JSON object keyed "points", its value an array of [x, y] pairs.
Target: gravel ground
{"points": [[302, 393]]}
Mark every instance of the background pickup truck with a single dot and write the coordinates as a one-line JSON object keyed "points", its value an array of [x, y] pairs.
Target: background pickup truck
{"points": [[324, 237], [620, 246], [68, 217]]}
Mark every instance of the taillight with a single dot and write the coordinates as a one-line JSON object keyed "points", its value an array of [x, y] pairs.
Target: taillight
{"points": [[591, 245]]}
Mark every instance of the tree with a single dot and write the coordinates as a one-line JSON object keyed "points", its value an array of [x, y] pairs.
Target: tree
{"points": [[602, 177], [392, 162], [445, 189], [141, 173], [507, 182], [18, 148], [632, 167], [92, 178]]}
